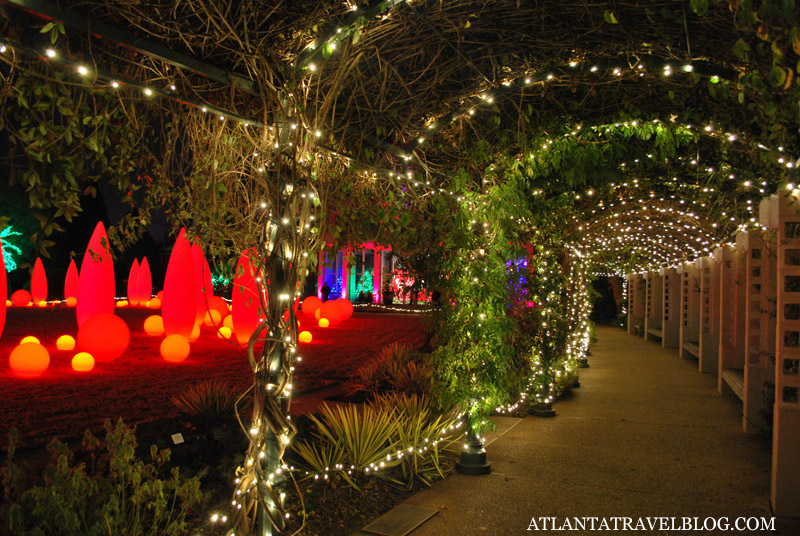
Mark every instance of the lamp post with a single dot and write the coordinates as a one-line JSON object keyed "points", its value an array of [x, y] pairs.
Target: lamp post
{"points": [[473, 456]]}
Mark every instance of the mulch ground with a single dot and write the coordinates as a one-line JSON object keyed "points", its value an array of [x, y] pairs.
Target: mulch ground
{"points": [[138, 386]]}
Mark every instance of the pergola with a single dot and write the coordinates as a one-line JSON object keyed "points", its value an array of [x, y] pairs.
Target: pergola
{"points": [[641, 136]]}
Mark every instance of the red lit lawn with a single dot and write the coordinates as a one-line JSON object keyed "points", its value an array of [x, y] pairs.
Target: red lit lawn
{"points": [[138, 385]]}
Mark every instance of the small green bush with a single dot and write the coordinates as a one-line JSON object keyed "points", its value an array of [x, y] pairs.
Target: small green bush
{"points": [[116, 494], [349, 441], [398, 367], [207, 401]]}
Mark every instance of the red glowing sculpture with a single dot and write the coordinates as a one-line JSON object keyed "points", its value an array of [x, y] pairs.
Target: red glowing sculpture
{"points": [[144, 282], [346, 306], [3, 289], [246, 301], [310, 305], [38, 282], [105, 336], [133, 280], [96, 285], [179, 303], [71, 282], [199, 275], [332, 311], [21, 298]]}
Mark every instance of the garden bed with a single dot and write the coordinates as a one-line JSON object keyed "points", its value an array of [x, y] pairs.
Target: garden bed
{"points": [[138, 386]]}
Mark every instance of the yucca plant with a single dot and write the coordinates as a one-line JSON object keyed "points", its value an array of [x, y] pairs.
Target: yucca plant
{"points": [[413, 378], [365, 437], [207, 400], [423, 434]]}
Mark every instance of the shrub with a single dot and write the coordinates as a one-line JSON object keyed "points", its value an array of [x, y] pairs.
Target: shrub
{"points": [[397, 367], [116, 494], [209, 400], [397, 437]]}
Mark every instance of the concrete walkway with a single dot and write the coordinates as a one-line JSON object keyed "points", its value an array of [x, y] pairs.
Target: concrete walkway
{"points": [[645, 435]]}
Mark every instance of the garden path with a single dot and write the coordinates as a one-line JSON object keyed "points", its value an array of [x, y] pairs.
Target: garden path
{"points": [[645, 435]]}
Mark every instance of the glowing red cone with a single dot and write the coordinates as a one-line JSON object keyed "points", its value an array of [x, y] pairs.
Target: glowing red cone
{"points": [[133, 278], [96, 285], [38, 282], [179, 303]]}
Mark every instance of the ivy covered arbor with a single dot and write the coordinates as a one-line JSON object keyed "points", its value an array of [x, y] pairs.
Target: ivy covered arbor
{"points": [[506, 149]]}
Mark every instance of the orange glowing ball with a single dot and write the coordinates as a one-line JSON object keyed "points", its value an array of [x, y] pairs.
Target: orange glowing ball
{"points": [[331, 311], [65, 343], [175, 348], [29, 360], [195, 333], [30, 338], [212, 318], [215, 303], [324, 322], [72, 301], [346, 306], [21, 298], [228, 322], [155, 303], [305, 336], [82, 362], [154, 325], [310, 305], [105, 336], [122, 303], [42, 303], [224, 332], [9, 303]]}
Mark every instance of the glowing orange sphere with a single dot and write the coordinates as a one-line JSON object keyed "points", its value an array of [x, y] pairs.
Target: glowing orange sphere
{"points": [[21, 298], [310, 305], [324, 322], [29, 360], [305, 336], [346, 306], [155, 303], [29, 338], [175, 348], [331, 311], [66, 343], [9, 303], [122, 303], [228, 322], [219, 305], [224, 332], [72, 301], [105, 336], [154, 325], [42, 303], [195, 333], [82, 362], [212, 318]]}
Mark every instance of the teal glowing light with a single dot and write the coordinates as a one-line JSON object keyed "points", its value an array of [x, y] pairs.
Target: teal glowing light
{"points": [[9, 248], [365, 284]]}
